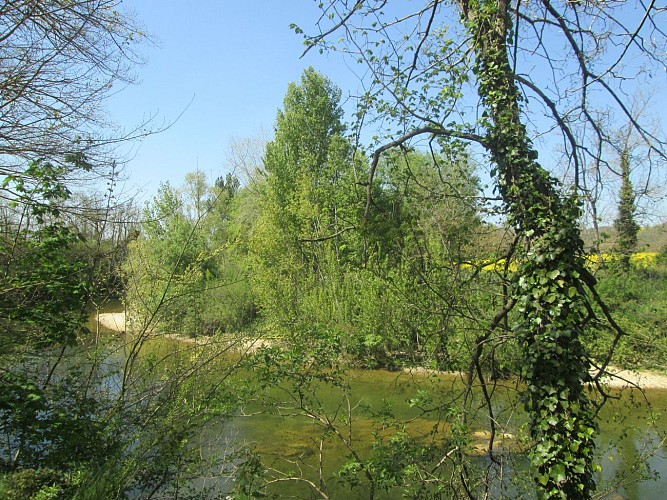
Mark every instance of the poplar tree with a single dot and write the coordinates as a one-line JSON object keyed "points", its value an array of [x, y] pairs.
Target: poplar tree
{"points": [[625, 223], [308, 166]]}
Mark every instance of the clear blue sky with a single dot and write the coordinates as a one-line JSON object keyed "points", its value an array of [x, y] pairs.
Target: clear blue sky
{"points": [[224, 64], [229, 63]]}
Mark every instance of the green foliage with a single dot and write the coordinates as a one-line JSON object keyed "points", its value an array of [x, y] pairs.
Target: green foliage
{"points": [[183, 276], [96, 434], [248, 481], [375, 278], [57, 426], [625, 223], [548, 289], [310, 203], [105, 430], [38, 484], [43, 288], [637, 297]]}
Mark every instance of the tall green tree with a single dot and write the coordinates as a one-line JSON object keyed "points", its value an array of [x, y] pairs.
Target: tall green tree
{"points": [[309, 161], [625, 223], [308, 195]]}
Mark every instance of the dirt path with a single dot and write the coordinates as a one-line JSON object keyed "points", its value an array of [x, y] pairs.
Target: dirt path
{"points": [[621, 378]]}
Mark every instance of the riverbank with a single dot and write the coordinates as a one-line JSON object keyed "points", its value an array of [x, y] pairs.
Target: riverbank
{"points": [[113, 321], [116, 322], [618, 378], [643, 379]]}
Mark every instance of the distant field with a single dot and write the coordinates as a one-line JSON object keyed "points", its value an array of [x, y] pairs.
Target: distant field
{"points": [[651, 239]]}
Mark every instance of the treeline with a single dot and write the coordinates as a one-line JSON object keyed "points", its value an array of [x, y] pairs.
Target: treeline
{"points": [[396, 272], [309, 251]]}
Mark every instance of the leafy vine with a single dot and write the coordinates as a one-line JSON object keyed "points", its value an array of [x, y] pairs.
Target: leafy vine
{"points": [[548, 286]]}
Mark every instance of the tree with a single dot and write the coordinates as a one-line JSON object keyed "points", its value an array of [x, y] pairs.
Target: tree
{"points": [[60, 61], [183, 271], [310, 176], [169, 264], [43, 290], [65, 429], [423, 64], [625, 223], [306, 162], [629, 158]]}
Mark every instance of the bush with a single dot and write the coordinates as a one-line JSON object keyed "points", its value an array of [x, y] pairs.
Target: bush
{"points": [[637, 298]]}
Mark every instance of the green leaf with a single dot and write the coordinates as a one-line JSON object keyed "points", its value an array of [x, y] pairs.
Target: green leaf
{"points": [[557, 473]]}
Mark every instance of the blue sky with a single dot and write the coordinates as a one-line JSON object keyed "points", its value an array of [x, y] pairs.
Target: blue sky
{"points": [[225, 65], [219, 71]]}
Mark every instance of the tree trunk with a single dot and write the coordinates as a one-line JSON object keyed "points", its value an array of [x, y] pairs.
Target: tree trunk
{"points": [[548, 285]]}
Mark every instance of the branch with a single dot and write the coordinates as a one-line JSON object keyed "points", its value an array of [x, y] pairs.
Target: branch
{"points": [[423, 39], [436, 131], [589, 280], [589, 77], [299, 479], [559, 119], [328, 237], [312, 41]]}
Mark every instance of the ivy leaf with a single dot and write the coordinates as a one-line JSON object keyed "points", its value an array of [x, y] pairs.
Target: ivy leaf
{"points": [[558, 473]]}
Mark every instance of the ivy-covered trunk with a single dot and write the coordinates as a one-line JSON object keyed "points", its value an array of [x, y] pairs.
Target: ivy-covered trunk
{"points": [[548, 285]]}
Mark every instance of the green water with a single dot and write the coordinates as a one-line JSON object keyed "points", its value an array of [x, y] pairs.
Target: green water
{"points": [[377, 405], [291, 444]]}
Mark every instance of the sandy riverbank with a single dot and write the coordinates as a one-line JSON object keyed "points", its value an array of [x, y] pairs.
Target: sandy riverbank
{"points": [[116, 322], [643, 379], [113, 321], [616, 378], [620, 378]]}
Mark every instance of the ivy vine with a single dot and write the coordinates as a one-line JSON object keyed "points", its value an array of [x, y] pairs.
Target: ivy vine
{"points": [[548, 287]]}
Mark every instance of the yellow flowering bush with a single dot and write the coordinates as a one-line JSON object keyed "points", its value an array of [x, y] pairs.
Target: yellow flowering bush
{"points": [[645, 260]]}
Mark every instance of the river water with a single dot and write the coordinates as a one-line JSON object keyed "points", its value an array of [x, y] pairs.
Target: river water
{"points": [[632, 429]]}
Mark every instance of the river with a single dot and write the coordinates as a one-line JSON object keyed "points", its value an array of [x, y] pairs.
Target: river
{"points": [[632, 429]]}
